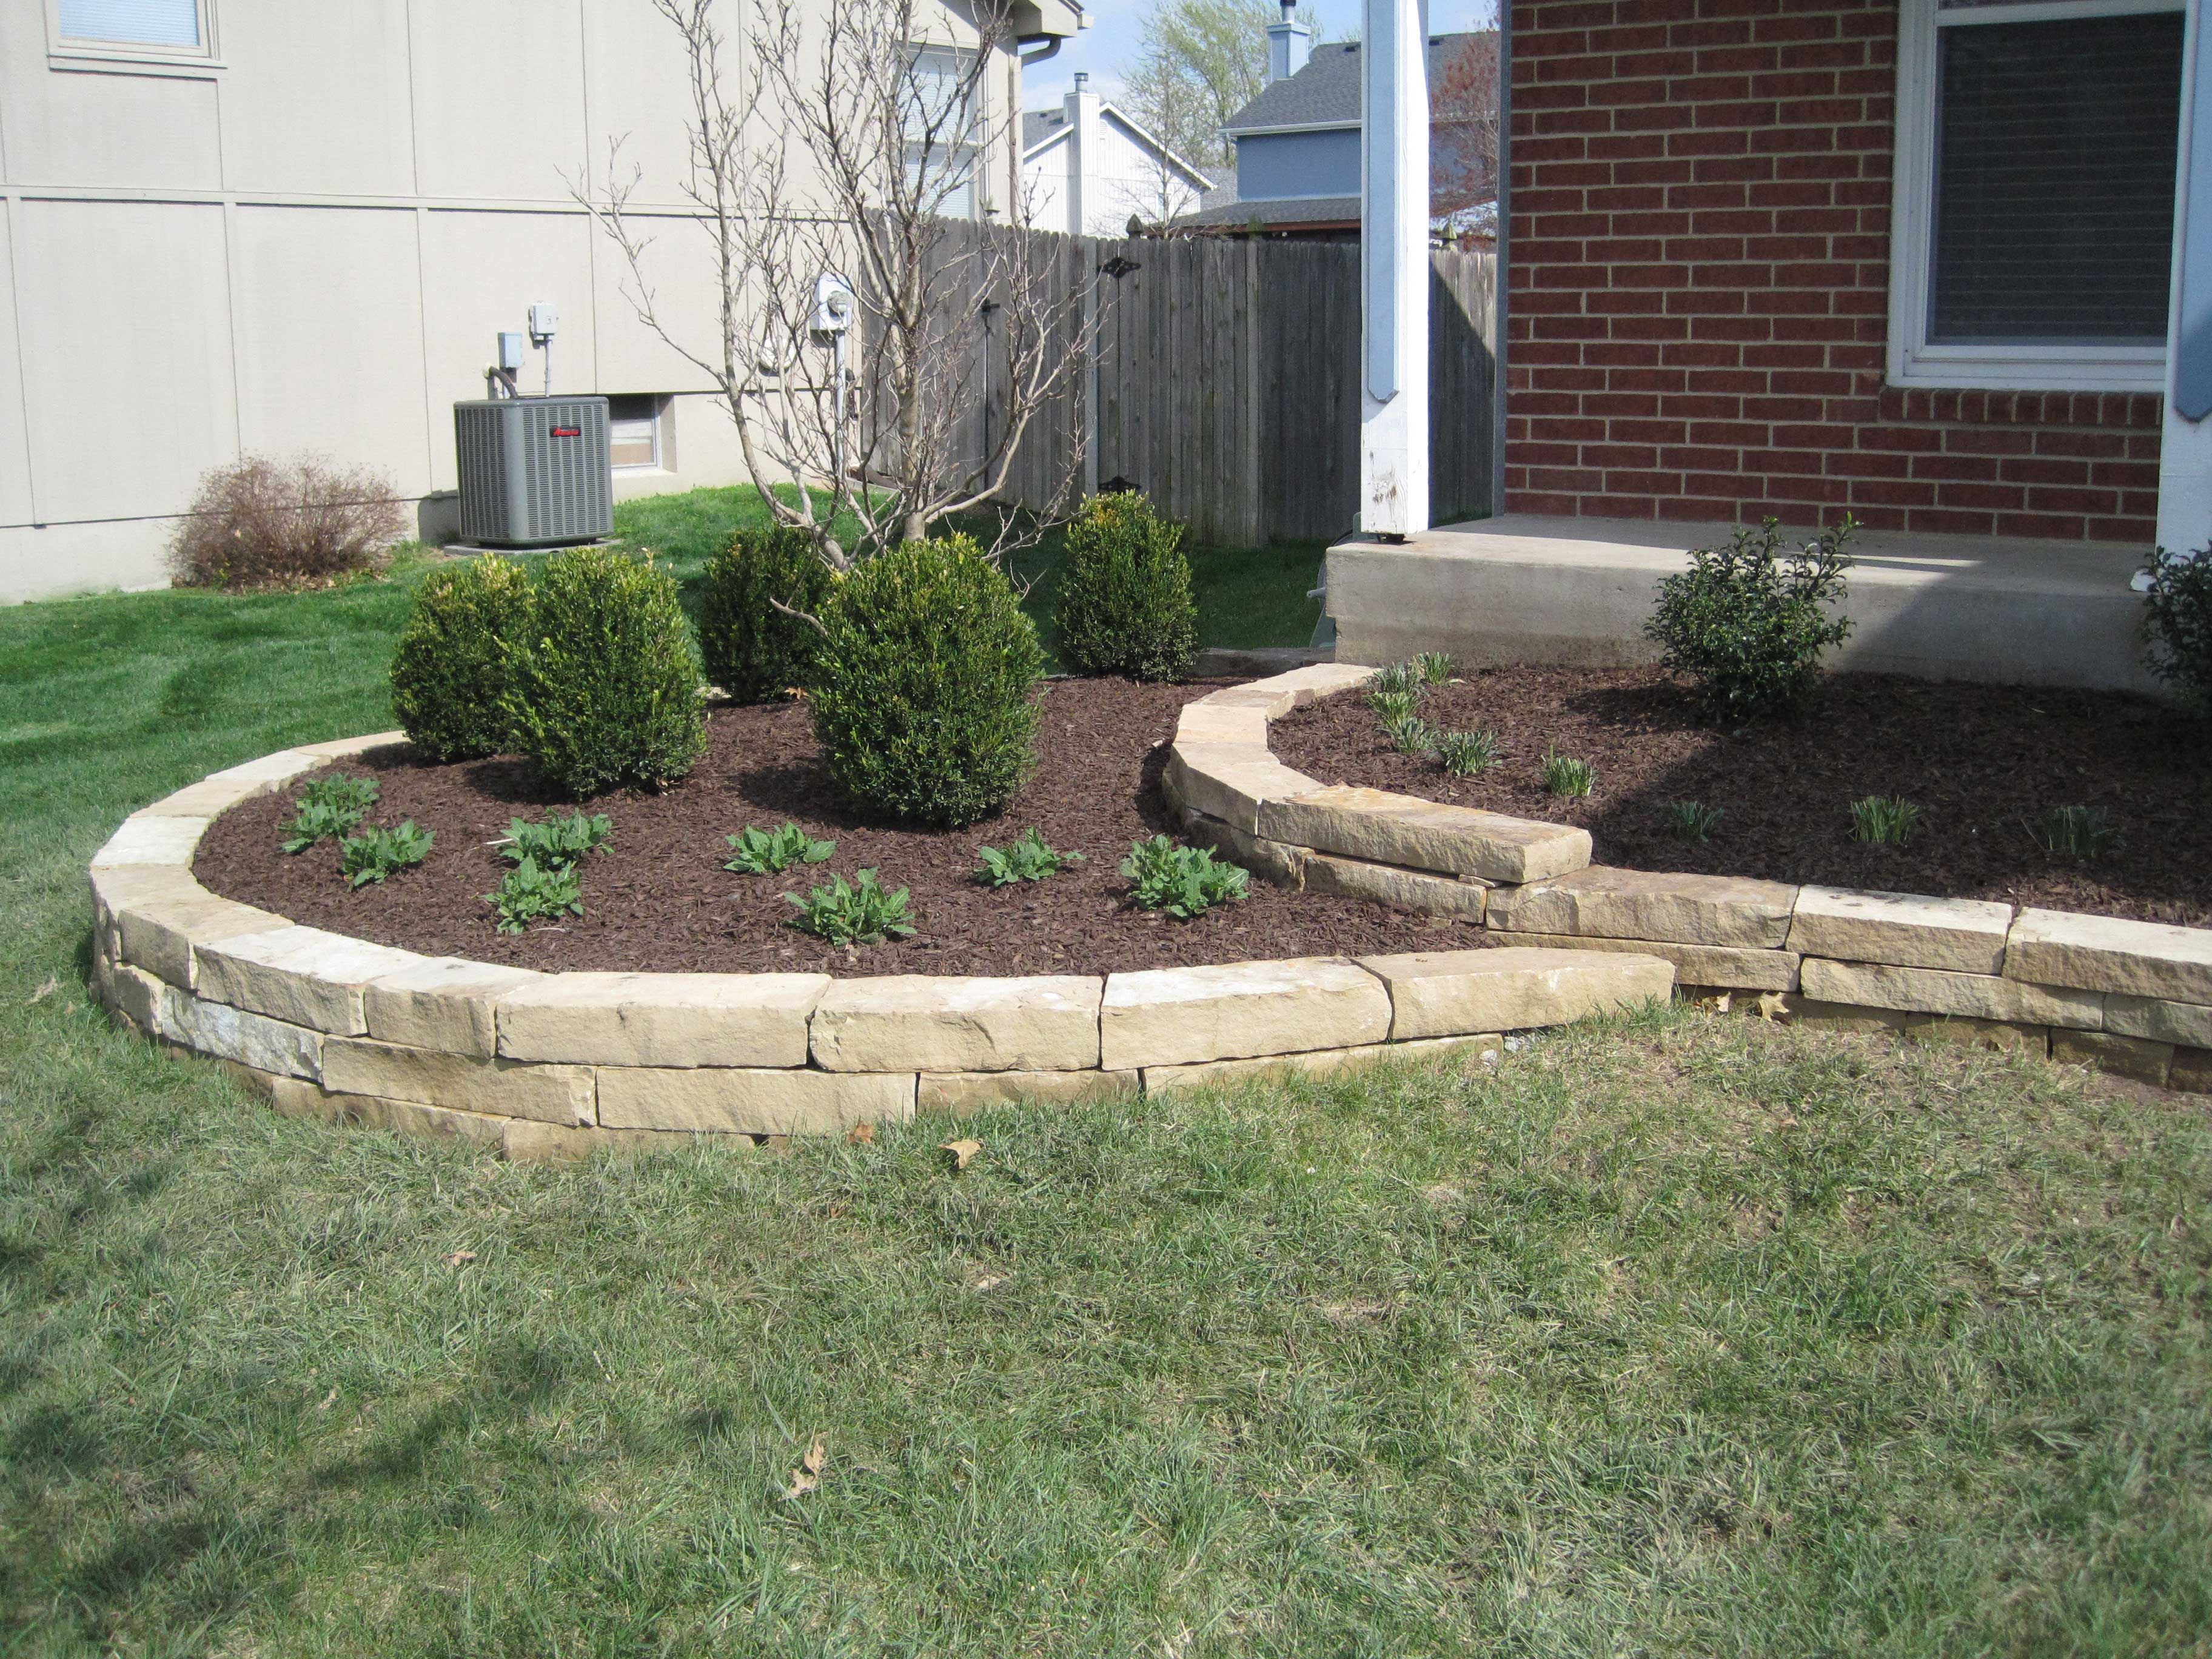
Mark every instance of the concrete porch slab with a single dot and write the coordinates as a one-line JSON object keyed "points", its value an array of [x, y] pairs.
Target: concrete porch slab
{"points": [[1576, 592]]}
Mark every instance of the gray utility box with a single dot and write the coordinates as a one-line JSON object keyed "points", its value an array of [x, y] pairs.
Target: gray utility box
{"points": [[535, 472]]}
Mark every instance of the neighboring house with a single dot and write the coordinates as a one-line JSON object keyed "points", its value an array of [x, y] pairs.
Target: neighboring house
{"points": [[1297, 142], [231, 226], [1088, 168]]}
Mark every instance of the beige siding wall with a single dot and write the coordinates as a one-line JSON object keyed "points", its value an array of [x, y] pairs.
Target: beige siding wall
{"points": [[308, 244]]}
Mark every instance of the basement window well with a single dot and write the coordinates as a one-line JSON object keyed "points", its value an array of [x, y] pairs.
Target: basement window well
{"points": [[635, 434]]}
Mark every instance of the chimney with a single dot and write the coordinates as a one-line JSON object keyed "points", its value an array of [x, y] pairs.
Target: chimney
{"points": [[1080, 110], [1289, 43]]}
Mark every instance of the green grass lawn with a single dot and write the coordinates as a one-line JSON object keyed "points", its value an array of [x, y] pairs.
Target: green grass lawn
{"points": [[1683, 1334]]}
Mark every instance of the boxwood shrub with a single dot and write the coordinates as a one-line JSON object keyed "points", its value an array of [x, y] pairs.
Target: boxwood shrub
{"points": [[750, 649], [452, 677], [1748, 621], [606, 686], [924, 691], [1124, 604]]}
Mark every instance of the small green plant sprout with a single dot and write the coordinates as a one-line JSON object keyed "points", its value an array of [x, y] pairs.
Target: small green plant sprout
{"points": [[561, 842], [1884, 820], [328, 808], [1390, 706], [771, 852], [1398, 677], [535, 892], [1434, 667], [375, 853], [1030, 859], [1183, 881], [1567, 777], [1410, 734], [1466, 754], [858, 911], [2075, 832], [1692, 820]]}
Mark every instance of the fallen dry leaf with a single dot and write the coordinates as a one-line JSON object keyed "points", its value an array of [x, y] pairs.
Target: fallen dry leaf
{"points": [[45, 991], [963, 1151], [808, 1475], [1719, 1003], [987, 1281], [329, 1401], [459, 1256], [861, 1134], [1771, 1005]]}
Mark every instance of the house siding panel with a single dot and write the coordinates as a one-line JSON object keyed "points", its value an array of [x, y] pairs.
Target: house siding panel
{"points": [[1700, 259]]}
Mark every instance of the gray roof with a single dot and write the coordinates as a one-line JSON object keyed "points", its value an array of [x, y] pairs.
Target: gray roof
{"points": [[1039, 124], [1326, 91], [1301, 210]]}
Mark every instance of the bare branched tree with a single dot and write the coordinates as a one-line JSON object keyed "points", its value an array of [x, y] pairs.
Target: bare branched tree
{"points": [[1463, 108], [856, 139]]}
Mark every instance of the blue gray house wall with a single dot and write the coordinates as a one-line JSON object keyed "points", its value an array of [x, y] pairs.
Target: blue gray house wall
{"points": [[1275, 167]]}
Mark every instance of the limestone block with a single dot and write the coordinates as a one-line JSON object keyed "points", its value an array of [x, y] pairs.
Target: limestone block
{"points": [[1205, 722], [2104, 953], [1270, 861], [2186, 1023], [1173, 1016], [442, 1002], [1326, 1062], [209, 798], [1997, 1034], [347, 748], [1409, 889], [781, 1102], [158, 934], [2191, 1071], [223, 1032], [961, 1094], [1905, 930], [1046, 1022], [1444, 992], [1383, 828], [1272, 701], [1724, 966], [503, 1088], [1229, 781], [116, 886], [268, 774], [402, 1117], [136, 994], [153, 840], [302, 975], [661, 1019], [1611, 904], [1320, 679], [1843, 1016], [2123, 1056], [1932, 991]]}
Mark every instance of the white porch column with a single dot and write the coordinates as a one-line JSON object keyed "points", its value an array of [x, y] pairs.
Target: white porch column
{"points": [[1394, 269], [2184, 466]]}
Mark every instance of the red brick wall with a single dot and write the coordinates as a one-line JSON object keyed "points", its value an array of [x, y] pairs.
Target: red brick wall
{"points": [[1699, 275]]}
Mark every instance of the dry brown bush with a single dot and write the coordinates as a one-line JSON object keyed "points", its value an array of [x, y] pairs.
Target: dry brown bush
{"points": [[262, 522]]}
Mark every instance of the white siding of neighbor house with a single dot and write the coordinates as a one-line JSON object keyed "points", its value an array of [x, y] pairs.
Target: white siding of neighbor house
{"points": [[1123, 174], [309, 244]]}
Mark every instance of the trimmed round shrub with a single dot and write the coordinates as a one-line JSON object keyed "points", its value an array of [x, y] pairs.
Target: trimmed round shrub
{"points": [[1125, 605], [453, 674], [923, 692], [750, 649], [2178, 620], [606, 683]]}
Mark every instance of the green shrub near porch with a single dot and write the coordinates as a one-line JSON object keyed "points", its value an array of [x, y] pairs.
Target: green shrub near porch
{"points": [[1124, 603]]}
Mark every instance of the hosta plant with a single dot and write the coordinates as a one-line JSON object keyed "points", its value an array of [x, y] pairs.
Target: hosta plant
{"points": [[328, 808], [1030, 859], [560, 840], [1183, 881], [375, 854], [1409, 735], [755, 852], [858, 911], [1885, 820], [535, 892]]}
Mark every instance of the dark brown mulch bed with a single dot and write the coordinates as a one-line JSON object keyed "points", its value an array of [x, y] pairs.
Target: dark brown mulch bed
{"points": [[1982, 761], [662, 901]]}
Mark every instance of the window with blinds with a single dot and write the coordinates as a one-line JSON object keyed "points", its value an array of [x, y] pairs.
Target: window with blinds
{"points": [[131, 22], [2054, 178]]}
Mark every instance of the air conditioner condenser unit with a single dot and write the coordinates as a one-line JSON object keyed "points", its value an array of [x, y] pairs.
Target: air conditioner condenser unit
{"points": [[535, 472]]}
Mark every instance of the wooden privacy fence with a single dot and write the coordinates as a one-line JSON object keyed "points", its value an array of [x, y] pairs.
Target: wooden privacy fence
{"points": [[1224, 383]]}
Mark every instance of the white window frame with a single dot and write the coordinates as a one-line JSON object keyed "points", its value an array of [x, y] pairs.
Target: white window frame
{"points": [[1914, 360], [121, 58], [966, 150], [659, 423]]}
